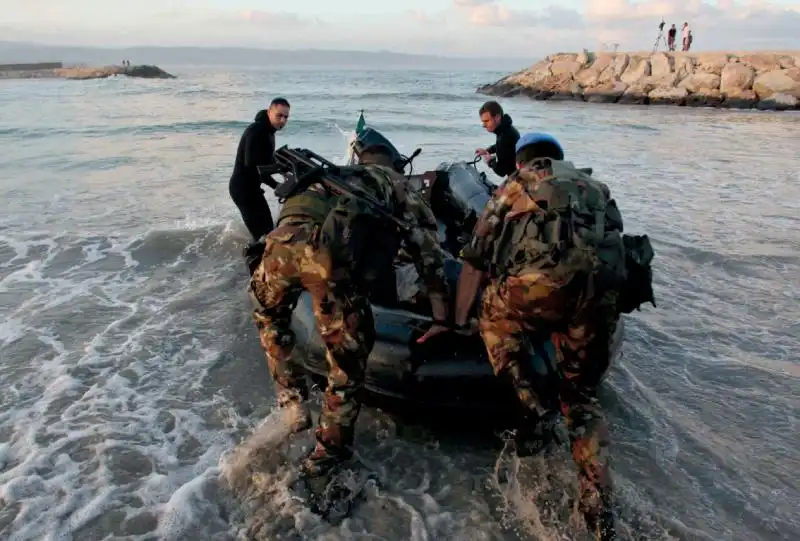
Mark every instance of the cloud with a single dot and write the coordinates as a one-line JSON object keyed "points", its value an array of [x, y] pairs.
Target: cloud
{"points": [[470, 27], [489, 13], [258, 16], [471, 3], [275, 19]]}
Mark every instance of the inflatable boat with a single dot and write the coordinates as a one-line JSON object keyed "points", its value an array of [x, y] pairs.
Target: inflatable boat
{"points": [[450, 371]]}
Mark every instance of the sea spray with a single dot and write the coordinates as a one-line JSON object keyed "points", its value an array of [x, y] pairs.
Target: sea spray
{"points": [[350, 137], [259, 471], [259, 453]]}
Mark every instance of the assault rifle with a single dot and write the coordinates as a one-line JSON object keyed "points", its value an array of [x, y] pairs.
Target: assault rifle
{"points": [[302, 167]]}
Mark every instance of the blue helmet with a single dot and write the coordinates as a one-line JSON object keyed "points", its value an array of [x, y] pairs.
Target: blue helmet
{"points": [[532, 138]]}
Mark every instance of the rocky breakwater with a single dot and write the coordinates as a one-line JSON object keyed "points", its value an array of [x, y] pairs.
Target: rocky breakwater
{"points": [[87, 72], [144, 72], [767, 81]]}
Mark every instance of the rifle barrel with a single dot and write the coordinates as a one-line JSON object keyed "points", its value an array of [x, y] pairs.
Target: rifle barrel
{"points": [[326, 172]]}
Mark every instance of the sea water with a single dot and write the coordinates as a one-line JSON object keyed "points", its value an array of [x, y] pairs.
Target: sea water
{"points": [[134, 395]]}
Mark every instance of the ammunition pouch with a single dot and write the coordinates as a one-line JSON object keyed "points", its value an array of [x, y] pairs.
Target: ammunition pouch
{"points": [[360, 243], [309, 204]]}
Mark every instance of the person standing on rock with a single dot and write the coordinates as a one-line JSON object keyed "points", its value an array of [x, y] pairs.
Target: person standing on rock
{"points": [[671, 34], [685, 32], [256, 147], [500, 156]]}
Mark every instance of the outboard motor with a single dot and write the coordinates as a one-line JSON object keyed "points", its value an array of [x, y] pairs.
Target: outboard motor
{"points": [[469, 186], [457, 196]]}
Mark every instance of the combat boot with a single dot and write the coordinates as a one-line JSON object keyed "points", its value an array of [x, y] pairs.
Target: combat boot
{"points": [[322, 461], [601, 526], [536, 433]]}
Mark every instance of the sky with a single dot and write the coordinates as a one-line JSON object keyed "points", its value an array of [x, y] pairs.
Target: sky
{"points": [[490, 28]]}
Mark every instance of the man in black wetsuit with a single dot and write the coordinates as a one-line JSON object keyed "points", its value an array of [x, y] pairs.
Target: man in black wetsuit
{"points": [[503, 162], [256, 147]]}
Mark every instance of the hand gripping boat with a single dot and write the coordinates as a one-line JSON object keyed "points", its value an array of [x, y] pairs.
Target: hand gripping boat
{"points": [[450, 371]]}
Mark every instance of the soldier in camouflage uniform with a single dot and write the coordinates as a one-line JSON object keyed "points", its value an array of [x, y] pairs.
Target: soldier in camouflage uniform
{"points": [[315, 247], [545, 284]]}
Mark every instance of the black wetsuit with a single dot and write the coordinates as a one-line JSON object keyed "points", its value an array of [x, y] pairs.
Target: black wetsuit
{"points": [[256, 147], [504, 161]]}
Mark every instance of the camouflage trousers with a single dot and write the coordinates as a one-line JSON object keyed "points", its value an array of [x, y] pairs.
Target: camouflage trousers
{"points": [[291, 264], [578, 323]]}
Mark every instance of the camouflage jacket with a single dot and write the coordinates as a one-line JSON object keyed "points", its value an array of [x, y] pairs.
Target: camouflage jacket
{"points": [[422, 238], [511, 200], [511, 194]]}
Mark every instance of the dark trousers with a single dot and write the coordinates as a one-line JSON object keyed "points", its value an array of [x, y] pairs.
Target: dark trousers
{"points": [[253, 207]]}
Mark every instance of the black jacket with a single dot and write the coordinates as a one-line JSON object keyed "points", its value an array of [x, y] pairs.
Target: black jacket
{"points": [[504, 162], [256, 147]]}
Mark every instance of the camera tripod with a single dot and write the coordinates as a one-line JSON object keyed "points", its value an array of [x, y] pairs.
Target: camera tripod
{"points": [[660, 36], [659, 39]]}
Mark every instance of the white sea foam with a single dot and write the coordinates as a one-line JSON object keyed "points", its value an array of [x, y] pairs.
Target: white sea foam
{"points": [[103, 426]]}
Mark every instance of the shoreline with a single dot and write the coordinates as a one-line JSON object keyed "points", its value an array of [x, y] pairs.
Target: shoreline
{"points": [[80, 73], [755, 80]]}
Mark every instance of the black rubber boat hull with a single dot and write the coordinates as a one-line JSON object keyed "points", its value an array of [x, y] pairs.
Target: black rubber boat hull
{"points": [[450, 372]]}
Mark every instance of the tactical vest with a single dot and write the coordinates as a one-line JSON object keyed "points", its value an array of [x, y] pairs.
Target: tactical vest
{"points": [[576, 229], [309, 204], [361, 240]]}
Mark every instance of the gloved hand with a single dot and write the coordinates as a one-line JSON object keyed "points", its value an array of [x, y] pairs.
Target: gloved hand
{"points": [[252, 253]]}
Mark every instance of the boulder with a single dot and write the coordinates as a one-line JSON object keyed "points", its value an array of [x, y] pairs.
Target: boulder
{"points": [[668, 80], [776, 82], [684, 66], [705, 97], [660, 65], [565, 67], [711, 63], [620, 64], [668, 96], [696, 81], [778, 102], [560, 57], [636, 93], [591, 75], [572, 91], [601, 62], [608, 92], [736, 77], [637, 70], [762, 63], [558, 83], [508, 91], [740, 99], [500, 88]]}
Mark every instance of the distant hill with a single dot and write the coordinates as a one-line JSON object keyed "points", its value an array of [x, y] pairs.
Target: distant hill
{"points": [[19, 52]]}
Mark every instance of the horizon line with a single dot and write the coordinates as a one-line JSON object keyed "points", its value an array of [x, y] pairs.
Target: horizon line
{"points": [[261, 48]]}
